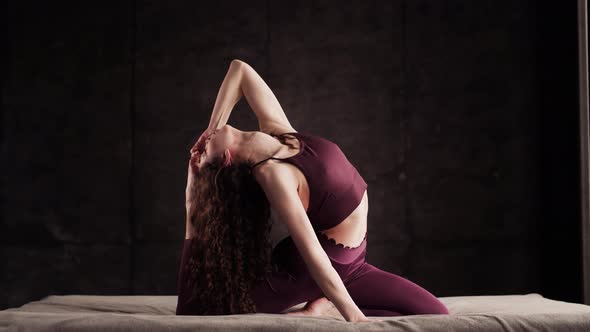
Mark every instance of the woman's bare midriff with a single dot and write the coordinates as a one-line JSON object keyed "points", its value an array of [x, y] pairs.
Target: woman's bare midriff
{"points": [[351, 231]]}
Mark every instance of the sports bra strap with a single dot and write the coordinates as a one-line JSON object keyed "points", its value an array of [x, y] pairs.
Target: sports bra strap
{"points": [[260, 162]]}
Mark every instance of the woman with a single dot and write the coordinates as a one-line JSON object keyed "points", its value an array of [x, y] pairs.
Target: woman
{"points": [[236, 178]]}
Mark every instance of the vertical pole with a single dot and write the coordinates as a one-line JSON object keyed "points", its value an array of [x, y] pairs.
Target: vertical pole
{"points": [[584, 143]]}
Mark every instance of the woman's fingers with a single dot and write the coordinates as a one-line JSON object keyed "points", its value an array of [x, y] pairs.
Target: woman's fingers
{"points": [[194, 162], [190, 176], [203, 138]]}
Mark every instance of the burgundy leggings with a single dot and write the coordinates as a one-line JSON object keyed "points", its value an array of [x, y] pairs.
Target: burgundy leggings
{"points": [[375, 292]]}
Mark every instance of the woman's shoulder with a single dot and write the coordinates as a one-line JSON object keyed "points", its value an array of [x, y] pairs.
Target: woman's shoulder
{"points": [[281, 130], [270, 172]]}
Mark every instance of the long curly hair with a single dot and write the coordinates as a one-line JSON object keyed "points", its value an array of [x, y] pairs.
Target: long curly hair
{"points": [[231, 246]]}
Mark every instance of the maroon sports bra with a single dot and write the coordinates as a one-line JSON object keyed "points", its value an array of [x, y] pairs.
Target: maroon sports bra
{"points": [[336, 188]]}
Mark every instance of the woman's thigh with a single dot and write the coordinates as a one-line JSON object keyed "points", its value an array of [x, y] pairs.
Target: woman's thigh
{"points": [[289, 286], [280, 291], [378, 290]]}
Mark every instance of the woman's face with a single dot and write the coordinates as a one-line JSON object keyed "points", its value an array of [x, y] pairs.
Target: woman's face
{"points": [[216, 144]]}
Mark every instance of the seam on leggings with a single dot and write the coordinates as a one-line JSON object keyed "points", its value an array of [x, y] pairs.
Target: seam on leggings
{"points": [[270, 285], [355, 274]]}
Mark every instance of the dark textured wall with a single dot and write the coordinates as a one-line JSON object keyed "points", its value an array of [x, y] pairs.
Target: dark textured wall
{"points": [[460, 115]]}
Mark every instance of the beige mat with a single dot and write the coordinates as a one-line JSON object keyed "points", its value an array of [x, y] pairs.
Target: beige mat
{"points": [[530, 312]]}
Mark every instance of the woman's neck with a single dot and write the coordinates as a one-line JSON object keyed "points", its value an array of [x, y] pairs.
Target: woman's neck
{"points": [[256, 146]]}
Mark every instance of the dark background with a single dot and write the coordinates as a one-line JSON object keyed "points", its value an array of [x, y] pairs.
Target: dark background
{"points": [[460, 115]]}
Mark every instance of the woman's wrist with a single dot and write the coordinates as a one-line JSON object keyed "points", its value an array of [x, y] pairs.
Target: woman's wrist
{"points": [[213, 125], [356, 315], [359, 317], [217, 123], [348, 309]]}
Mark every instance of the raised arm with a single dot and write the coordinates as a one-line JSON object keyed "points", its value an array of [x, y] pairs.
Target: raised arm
{"points": [[281, 190], [242, 80]]}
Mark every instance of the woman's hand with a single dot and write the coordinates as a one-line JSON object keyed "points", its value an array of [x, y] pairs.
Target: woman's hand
{"points": [[196, 152], [323, 307], [193, 166], [364, 319], [199, 146]]}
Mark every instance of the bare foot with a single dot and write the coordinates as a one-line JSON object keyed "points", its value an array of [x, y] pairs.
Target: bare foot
{"points": [[317, 307]]}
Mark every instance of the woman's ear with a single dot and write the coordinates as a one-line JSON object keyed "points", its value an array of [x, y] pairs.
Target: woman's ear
{"points": [[227, 156]]}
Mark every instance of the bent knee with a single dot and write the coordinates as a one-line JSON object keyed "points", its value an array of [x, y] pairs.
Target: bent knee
{"points": [[436, 308]]}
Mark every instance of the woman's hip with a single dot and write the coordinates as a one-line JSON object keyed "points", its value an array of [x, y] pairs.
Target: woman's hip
{"points": [[345, 260]]}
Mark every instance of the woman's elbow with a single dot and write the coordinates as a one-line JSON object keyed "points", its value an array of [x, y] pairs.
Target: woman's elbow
{"points": [[237, 63]]}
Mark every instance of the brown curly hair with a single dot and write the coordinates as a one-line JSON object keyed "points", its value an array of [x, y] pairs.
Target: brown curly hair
{"points": [[231, 246]]}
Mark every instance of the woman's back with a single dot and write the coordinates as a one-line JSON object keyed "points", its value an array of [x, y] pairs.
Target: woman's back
{"points": [[331, 189]]}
